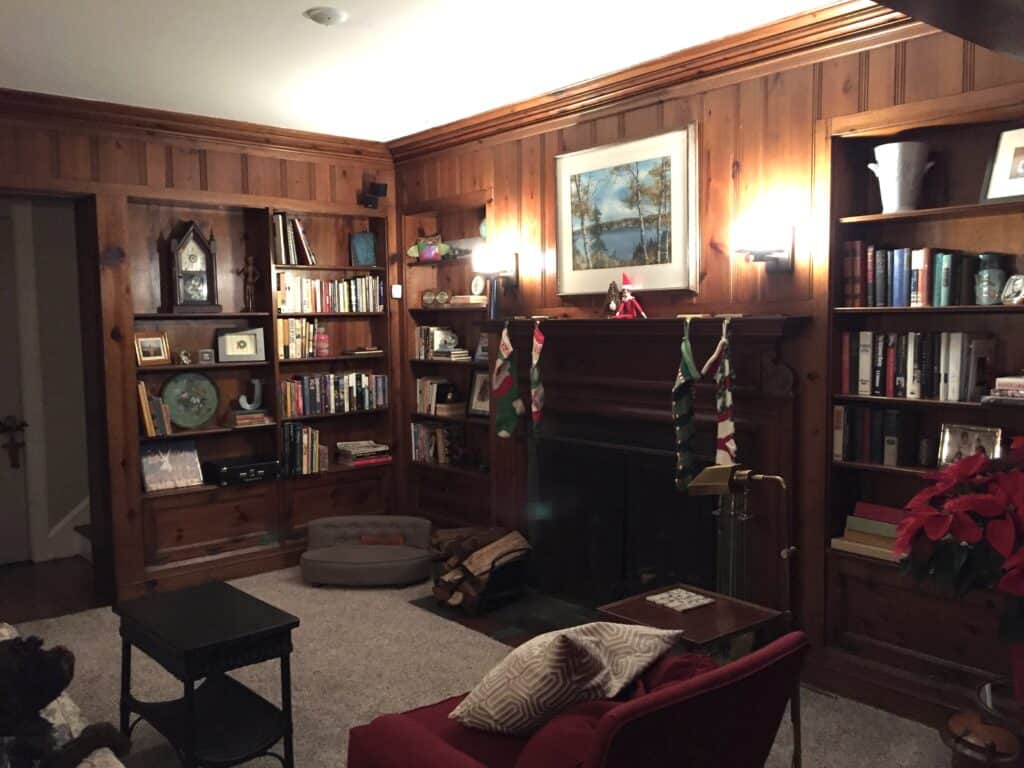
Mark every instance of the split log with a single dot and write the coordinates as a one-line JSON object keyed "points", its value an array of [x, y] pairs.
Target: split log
{"points": [[480, 561]]}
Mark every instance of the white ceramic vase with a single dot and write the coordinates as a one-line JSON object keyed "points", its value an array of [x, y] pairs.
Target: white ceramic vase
{"points": [[900, 169]]}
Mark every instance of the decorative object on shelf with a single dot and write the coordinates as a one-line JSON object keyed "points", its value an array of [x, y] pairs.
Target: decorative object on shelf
{"points": [[629, 306], [478, 285], [612, 298], [184, 357], [900, 168], [479, 395], [257, 396], [250, 276], [501, 268], [170, 465], [481, 356], [363, 246], [156, 421], [371, 194], [191, 399], [1013, 291], [536, 385], [240, 346], [151, 348], [442, 298], [428, 298], [989, 279], [958, 441], [207, 357], [429, 248], [1005, 177], [508, 404], [241, 470], [322, 341], [961, 532], [632, 205], [193, 271]]}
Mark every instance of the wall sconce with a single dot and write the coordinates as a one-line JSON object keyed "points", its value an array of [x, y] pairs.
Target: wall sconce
{"points": [[775, 259], [501, 268]]}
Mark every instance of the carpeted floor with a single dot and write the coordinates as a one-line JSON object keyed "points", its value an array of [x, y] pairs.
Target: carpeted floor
{"points": [[360, 653]]}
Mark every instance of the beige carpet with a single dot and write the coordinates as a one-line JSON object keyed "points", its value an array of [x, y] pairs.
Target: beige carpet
{"points": [[360, 653]]}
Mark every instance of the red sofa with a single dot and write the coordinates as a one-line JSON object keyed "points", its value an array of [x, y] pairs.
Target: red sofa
{"points": [[684, 711]]}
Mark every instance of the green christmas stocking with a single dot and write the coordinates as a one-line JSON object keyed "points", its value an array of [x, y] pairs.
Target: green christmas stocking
{"points": [[508, 406]]}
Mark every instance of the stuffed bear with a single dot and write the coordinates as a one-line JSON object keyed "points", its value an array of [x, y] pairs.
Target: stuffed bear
{"points": [[30, 679]]}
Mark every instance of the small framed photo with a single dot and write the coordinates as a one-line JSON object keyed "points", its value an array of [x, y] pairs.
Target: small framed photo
{"points": [[1006, 171], [240, 346], [207, 357], [480, 395], [184, 357], [1013, 291], [481, 356], [958, 441], [151, 348]]}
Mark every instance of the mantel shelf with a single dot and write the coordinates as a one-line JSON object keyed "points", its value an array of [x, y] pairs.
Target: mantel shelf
{"points": [[751, 326]]}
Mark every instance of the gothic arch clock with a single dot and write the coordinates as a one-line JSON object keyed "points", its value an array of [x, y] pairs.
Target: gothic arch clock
{"points": [[193, 272]]}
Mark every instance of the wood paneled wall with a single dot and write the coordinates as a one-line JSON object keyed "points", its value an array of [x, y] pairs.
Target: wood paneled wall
{"points": [[757, 154]]}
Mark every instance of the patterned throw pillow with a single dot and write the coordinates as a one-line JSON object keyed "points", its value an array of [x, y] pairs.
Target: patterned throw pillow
{"points": [[545, 675]]}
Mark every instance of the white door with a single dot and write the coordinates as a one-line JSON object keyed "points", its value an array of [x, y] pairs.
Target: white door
{"points": [[14, 524]]}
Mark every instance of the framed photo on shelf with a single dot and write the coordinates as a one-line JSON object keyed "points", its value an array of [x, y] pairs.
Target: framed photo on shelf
{"points": [[170, 465], [207, 357], [481, 355], [151, 348], [1005, 178], [480, 395], [958, 441], [240, 346], [630, 206]]}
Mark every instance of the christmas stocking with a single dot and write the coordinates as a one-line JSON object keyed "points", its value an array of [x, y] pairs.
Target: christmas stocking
{"points": [[682, 413], [508, 406], [536, 386], [719, 367]]}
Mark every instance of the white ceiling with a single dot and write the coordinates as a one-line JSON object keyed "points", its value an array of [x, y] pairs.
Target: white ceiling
{"points": [[397, 67]]}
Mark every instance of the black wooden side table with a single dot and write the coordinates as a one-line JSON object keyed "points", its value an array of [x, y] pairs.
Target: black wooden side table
{"points": [[200, 634]]}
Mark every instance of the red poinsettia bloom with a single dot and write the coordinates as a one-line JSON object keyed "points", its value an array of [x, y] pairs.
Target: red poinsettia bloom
{"points": [[963, 471]]}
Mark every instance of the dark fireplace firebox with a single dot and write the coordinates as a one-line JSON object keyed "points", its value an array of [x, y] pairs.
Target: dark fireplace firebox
{"points": [[605, 518]]}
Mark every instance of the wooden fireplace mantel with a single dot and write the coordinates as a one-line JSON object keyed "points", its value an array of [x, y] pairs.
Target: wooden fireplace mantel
{"points": [[755, 326]]}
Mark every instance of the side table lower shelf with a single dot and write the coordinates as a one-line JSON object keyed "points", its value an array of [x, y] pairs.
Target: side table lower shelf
{"points": [[233, 724]]}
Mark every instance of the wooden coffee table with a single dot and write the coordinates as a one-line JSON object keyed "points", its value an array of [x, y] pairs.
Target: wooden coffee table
{"points": [[202, 633]]}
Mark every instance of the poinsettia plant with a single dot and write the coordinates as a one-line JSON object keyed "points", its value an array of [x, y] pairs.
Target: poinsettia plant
{"points": [[966, 531]]}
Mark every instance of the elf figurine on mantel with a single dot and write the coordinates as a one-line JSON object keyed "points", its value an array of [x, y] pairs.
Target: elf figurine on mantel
{"points": [[629, 307]]}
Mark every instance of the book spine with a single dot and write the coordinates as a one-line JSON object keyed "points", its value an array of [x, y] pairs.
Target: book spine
{"points": [[890, 277], [879, 512], [925, 279], [943, 393], [957, 363], [916, 271], [890, 365], [924, 365], [877, 445], [892, 428], [945, 279], [881, 285], [859, 257], [839, 433], [845, 340], [869, 276], [900, 366], [864, 350], [913, 370], [901, 278], [878, 364]]}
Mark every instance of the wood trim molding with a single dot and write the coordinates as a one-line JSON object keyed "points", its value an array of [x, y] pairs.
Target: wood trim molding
{"points": [[24, 105], [837, 23]]}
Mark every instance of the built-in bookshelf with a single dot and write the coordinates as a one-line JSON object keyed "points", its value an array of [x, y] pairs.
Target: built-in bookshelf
{"points": [[911, 351], [448, 445], [338, 383]]}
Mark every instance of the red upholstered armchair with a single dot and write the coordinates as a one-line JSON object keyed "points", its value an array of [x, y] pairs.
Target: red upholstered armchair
{"points": [[683, 712]]}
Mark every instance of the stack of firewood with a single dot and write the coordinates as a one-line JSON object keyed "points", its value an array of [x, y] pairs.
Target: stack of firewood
{"points": [[466, 556]]}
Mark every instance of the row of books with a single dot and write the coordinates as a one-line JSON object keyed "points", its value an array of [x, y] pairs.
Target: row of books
{"points": [[156, 420], [433, 393], [951, 365], [1008, 390], [303, 453], [363, 293], [873, 436], [879, 276], [871, 531], [328, 393], [289, 242], [362, 453], [434, 341], [435, 443]]}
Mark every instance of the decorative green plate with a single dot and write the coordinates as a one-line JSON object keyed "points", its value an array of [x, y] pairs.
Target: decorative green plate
{"points": [[191, 399]]}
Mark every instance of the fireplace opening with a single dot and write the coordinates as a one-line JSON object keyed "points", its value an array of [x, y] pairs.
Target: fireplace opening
{"points": [[605, 518]]}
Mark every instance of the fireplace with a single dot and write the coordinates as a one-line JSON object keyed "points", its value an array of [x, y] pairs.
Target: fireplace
{"points": [[605, 518]]}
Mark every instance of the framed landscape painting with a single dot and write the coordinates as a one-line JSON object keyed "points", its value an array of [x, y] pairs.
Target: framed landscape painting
{"points": [[629, 207]]}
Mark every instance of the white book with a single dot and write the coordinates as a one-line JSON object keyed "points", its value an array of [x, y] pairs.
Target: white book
{"points": [[981, 352], [913, 367], [864, 352], [917, 261], [838, 432], [944, 366], [957, 352]]}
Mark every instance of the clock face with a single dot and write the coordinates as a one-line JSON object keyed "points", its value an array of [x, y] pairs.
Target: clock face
{"points": [[477, 286], [442, 297], [428, 297], [191, 258], [194, 287]]}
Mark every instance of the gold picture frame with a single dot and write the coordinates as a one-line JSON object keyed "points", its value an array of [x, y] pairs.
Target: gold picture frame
{"points": [[152, 348]]}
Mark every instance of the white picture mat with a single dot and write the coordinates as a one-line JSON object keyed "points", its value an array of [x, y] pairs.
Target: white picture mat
{"points": [[682, 272], [1000, 184]]}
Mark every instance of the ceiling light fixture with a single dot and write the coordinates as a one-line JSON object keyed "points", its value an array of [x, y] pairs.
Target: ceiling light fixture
{"points": [[326, 15]]}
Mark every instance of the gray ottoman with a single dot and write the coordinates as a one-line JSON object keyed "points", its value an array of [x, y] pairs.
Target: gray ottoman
{"points": [[337, 556]]}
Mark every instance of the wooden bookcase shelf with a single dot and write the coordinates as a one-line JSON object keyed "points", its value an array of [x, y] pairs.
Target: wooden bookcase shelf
{"points": [[172, 492], [477, 421], [460, 262], [329, 359], [330, 315], [191, 434], [205, 367], [453, 363], [328, 268], [345, 415], [173, 316], [870, 604], [432, 313], [965, 211], [454, 469]]}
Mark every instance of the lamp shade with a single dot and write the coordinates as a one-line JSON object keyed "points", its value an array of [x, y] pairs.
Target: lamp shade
{"points": [[488, 260]]}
